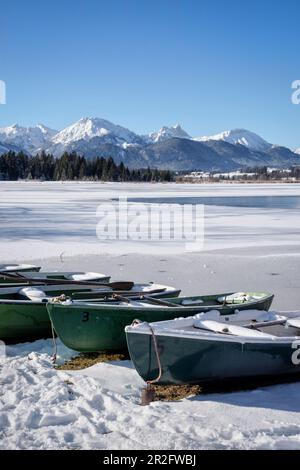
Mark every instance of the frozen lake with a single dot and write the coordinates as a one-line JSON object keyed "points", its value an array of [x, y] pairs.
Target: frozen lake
{"points": [[263, 202], [246, 248], [46, 219]]}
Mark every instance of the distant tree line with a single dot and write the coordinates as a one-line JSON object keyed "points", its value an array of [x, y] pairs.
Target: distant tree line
{"points": [[258, 174], [71, 166], [265, 173]]}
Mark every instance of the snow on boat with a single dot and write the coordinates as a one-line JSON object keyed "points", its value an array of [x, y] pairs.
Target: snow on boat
{"points": [[94, 326], [22, 268], [211, 347], [23, 312], [137, 290], [26, 276]]}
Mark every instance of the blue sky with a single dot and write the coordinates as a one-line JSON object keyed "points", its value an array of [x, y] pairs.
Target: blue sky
{"points": [[209, 65]]}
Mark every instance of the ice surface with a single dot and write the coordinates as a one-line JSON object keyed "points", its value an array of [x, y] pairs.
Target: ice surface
{"points": [[60, 219], [53, 224]]}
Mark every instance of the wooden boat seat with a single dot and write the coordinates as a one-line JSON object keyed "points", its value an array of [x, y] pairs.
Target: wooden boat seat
{"points": [[225, 328]]}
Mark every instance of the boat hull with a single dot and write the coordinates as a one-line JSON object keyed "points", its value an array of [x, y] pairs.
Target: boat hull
{"points": [[20, 322], [190, 361], [88, 327], [20, 268], [25, 320]]}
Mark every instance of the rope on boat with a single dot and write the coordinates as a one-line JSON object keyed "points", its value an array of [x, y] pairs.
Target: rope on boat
{"points": [[149, 382], [54, 355], [148, 393], [120, 297], [60, 298]]}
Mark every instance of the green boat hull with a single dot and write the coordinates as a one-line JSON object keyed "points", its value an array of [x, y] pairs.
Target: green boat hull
{"points": [[190, 361], [88, 327], [26, 320], [20, 322]]}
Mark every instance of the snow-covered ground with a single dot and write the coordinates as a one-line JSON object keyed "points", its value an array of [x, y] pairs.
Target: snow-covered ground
{"points": [[98, 408], [245, 249]]}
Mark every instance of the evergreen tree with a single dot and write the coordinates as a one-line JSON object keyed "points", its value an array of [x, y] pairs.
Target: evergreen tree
{"points": [[71, 166]]}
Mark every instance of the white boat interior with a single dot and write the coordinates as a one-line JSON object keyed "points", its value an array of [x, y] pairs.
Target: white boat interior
{"points": [[244, 326], [18, 267], [42, 293]]}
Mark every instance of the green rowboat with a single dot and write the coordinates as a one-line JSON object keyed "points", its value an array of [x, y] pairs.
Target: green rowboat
{"points": [[19, 268], [87, 326], [23, 312], [30, 276], [212, 348]]}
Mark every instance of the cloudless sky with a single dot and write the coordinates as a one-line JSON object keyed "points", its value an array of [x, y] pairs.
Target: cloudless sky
{"points": [[210, 65]]}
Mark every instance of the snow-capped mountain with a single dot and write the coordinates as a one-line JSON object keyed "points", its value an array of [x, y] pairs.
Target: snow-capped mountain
{"points": [[166, 133], [239, 136], [5, 148], [169, 148], [88, 129], [28, 139]]}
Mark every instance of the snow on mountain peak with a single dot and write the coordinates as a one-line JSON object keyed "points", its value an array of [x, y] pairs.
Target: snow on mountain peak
{"points": [[87, 128], [239, 136], [92, 136], [27, 138], [167, 133], [46, 130]]}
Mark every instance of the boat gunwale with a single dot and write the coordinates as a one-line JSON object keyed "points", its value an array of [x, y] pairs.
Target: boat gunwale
{"points": [[198, 334], [21, 302], [14, 268], [219, 337], [15, 289], [177, 306]]}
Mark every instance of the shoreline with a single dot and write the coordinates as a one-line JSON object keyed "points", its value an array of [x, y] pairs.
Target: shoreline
{"points": [[205, 273], [53, 225], [142, 183]]}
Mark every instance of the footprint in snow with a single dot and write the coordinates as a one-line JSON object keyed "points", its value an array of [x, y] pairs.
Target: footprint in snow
{"points": [[68, 437]]}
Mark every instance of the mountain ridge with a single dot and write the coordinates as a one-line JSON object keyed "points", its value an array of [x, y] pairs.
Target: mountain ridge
{"points": [[168, 148], [239, 136], [29, 139]]}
